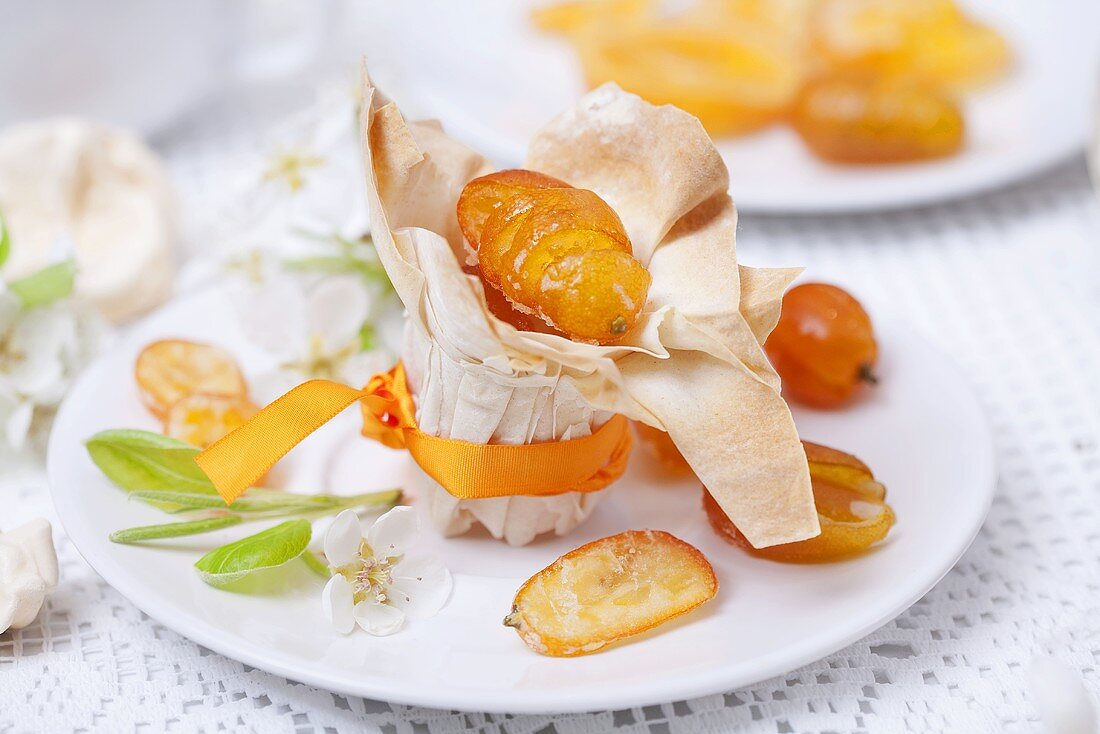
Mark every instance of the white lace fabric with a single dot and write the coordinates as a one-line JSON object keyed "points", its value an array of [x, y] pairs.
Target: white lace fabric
{"points": [[1008, 283]]}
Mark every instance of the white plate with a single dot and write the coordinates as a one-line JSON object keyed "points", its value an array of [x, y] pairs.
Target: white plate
{"points": [[493, 80], [922, 431]]}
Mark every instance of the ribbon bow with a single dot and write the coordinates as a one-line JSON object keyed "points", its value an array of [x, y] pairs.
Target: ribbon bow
{"points": [[465, 469]]}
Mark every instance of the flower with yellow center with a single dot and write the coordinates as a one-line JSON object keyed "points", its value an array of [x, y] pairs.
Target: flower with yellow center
{"points": [[376, 582]]}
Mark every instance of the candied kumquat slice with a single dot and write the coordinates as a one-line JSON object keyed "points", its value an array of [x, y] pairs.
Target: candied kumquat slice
{"points": [[572, 17], [554, 251], [610, 589], [171, 369], [932, 43], [734, 80], [851, 507], [962, 56], [201, 419]]}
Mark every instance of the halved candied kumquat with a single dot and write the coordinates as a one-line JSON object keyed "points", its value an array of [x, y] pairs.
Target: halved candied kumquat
{"points": [[171, 369], [610, 589], [860, 119], [201, 419], [851, 507]]}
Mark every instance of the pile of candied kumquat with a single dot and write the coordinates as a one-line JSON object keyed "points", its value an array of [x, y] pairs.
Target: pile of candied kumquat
{"points": [[824, 350], [861, 81]]}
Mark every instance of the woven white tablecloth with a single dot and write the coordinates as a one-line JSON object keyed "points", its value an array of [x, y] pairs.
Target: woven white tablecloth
{"points": [[1008, 283]]}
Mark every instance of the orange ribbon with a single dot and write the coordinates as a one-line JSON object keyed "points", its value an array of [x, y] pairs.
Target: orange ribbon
{"points": [[467, 470]]}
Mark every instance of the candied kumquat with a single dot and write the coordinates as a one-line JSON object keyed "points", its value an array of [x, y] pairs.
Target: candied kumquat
{"points": [[823, 347], [851, 507], [610, 589], [858, 119], [171, 369], [554, 251], [201, 419]]}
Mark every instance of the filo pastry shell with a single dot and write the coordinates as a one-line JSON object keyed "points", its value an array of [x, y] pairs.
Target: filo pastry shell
{"points": [[692, 365]]}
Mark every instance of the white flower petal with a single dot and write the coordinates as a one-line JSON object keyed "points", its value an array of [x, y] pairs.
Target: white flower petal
{"points": [[267, 386], [336, 309], [272, 314], [421, 586], [10, 308], [343, 538], [378, 619], [38, 343], [394, 532], [339, 605], [18, 424], [359, 368]]}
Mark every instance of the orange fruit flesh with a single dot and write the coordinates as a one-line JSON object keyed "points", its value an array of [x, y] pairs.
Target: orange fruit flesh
{"points": [[201, 419], [610, 589]]}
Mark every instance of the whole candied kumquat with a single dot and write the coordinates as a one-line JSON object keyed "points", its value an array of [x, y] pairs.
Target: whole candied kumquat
{"points": [[610, 589], [201, 419], [171, 369], [851, 507], [859, 119], [556, 251], [823, 347]]}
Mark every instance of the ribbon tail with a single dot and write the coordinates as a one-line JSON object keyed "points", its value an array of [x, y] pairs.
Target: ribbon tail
{"points": [[238, 460]]}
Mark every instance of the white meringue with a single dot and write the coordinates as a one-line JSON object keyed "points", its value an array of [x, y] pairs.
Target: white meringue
{"points": [[102, 188], [28, 572]]}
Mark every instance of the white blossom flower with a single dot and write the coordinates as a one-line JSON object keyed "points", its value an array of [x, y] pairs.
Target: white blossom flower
{"points": [[307, 176], [376, 583], [313, 332], [40, 351]]}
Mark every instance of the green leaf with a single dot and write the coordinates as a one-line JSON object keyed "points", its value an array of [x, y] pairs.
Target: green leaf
{"points": [[255, 500], [5, 241], [135, 459], [173, 529], [46, 286], [273, 547], [368, 337]]}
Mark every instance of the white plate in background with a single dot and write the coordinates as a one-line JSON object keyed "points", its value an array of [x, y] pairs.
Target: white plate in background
{"points": [[493, 80]]}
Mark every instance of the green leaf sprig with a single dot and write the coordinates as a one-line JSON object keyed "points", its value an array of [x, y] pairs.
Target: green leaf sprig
{"points": [[48, 285], [162, 472], [5, 241], [356, 256]]}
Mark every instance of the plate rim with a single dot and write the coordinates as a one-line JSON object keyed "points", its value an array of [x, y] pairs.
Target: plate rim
{"points": [[513, 701]]}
